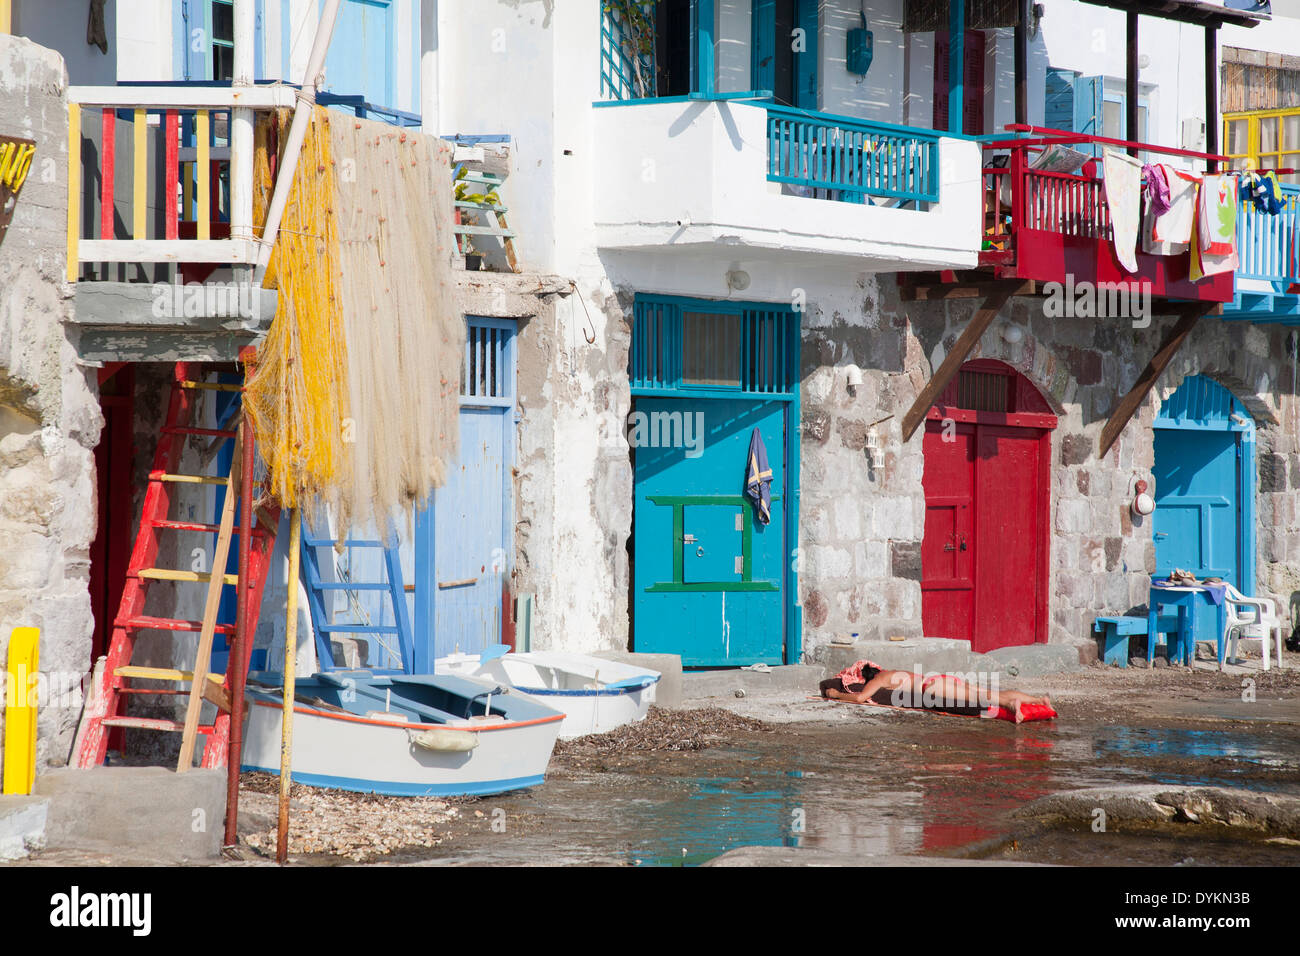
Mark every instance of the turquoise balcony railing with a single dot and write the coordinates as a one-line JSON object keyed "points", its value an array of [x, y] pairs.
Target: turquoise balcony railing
{"points": [[840, 158], [1268, 273]]}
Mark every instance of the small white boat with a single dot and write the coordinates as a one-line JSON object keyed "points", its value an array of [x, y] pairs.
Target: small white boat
{"points": [[596, 695], [420, 735]]}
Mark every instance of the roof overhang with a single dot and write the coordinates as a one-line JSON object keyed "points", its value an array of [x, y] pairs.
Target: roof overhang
{"points": [[1199, 12]]}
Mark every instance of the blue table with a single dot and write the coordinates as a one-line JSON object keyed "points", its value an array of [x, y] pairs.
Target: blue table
{"points": [[1189, 599]]}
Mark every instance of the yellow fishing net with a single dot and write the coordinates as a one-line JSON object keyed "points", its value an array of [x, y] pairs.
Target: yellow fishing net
{"points": [[356, 394], [298, 396]]}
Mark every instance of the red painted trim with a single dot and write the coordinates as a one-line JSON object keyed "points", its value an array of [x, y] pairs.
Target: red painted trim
{"points": [[1013, 419], [1050, 256], [353, 719], [507, 615], [172, 166], [1044, 533], [107, 170]]}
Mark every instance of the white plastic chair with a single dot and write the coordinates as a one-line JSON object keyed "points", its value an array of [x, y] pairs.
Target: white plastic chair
{"points": [[1252, 617]]}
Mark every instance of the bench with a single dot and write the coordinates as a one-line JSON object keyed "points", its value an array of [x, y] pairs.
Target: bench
{"points": [[1117, 631]]}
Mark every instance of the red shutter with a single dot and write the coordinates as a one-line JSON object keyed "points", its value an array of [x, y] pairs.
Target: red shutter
{"points": [[972, 83]]}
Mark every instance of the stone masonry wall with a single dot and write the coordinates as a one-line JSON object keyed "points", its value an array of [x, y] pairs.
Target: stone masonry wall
{"points": [[49, 414], [862, 528]]}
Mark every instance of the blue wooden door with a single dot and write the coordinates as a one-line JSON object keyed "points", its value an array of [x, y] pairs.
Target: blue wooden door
{"points": [[785, 61], [708, 577], [1197, 503], [463, 543], [1204, 443], [360, 58]]}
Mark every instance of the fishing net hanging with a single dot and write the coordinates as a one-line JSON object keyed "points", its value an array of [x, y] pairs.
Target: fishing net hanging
{"points": [[356, 394]]}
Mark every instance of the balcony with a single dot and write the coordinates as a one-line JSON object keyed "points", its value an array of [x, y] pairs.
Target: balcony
{"points": [[717, 178], [1046, 226], [160, 236], [1268, 276]]}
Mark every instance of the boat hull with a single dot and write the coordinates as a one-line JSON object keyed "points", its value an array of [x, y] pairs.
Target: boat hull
{"points": [[557, 679], [351, 752]]}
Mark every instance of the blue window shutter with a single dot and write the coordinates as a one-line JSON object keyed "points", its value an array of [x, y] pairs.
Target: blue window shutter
{"points": [[1087, 109], [763, 70], [1058, 104], [805, 95]]}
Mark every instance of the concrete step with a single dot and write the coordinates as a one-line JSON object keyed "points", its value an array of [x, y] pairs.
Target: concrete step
{"points": [[152, 810], [22, 826], [668, 692], [948, 655], [700, 685]]}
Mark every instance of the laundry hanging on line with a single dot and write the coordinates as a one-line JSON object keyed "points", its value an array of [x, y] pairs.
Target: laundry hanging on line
{"points": [[1169, 232], [1123, 191], [1214, 240]]}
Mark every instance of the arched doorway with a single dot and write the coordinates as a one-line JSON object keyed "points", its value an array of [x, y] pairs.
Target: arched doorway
{"points": [[1204, 475], [984, 557]]}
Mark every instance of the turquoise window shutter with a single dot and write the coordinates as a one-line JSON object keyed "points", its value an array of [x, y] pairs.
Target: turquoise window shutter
{"points": [[1087, 109], [1058, 103], [805, 96], [764, 55]]}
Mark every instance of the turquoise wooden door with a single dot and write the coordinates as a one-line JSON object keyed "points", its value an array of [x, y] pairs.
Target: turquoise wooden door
{"points": [[708, 577], [1204, 471], [463, 546], [1196, 522]]}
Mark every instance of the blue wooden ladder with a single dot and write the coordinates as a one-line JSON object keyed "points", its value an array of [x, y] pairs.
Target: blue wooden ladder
{"points": [[322, 623]]}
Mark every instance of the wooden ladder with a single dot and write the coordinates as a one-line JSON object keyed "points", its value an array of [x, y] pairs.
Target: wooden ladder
{"points": [[481, 205], [321, 604], [110, 687]]}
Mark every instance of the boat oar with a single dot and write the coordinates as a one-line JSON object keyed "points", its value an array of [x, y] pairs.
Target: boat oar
{"points": [[290, 674]]}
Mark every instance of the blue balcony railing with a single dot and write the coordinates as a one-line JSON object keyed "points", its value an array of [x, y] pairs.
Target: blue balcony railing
{"points": [[845, 159], [1267, 281], [1267, 242]]}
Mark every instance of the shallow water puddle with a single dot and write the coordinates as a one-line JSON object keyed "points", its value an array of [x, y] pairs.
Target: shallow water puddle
{"points": [[915, 787]]}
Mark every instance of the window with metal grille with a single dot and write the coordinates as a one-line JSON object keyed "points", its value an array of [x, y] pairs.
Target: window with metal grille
{"points": [[711, 349], [984, 391], [687, 344], [486, 375]]}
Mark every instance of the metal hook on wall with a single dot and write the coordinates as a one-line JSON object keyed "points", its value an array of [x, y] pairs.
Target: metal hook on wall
{"points": [[591, 338]]}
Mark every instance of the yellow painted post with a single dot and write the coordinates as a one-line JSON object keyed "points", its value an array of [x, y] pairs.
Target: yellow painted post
{"points": [[290, 675], [20, 711], [203, 174], [141, 198], [74, 187], [6, 17]]}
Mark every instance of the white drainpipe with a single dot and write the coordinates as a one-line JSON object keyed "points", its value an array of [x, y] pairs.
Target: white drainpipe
{"points": [[297, 132]]}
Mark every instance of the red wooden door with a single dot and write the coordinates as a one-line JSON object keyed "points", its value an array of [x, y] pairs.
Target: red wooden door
{"points": [[972, 105], [984, 556], [947, 558], [1011, 506]]}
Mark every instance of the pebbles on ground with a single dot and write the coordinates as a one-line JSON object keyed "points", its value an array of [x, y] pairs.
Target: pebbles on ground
{"points": [[355, 826]]}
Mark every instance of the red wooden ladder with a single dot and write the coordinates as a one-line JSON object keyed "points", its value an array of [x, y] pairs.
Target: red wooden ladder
{"points": [[105, 708]]}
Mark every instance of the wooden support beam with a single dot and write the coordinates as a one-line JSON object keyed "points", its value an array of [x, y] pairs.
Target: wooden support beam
{"points": [[952, 362], [1022, 60], [1212, 93], [957, 287], [1131, 81], [1130, 403]]}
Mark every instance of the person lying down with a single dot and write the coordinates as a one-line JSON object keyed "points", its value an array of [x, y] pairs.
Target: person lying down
{"points": [[866, 682]]}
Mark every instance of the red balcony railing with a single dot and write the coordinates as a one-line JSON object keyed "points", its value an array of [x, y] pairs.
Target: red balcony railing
{"points": [[1046, 225]]}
